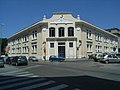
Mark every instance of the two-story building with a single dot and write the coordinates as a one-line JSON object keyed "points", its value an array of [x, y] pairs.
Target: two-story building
{"points": [[62, 35]]}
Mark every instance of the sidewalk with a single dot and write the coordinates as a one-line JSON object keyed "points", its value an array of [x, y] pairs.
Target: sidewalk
{"points": [[71, 60]]}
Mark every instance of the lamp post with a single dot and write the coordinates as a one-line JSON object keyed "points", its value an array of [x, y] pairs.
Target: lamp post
{"points": [[1, 25]]}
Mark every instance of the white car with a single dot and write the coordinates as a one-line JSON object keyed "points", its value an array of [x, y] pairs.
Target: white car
{"points": [[110, 58], [33, 58]]}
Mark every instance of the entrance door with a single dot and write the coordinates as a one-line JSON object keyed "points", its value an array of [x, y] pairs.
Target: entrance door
{"points": [[61, 51]]}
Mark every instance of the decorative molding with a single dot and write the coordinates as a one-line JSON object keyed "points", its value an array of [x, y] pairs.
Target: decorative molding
{"points": [[61, 20], [78, 28]]}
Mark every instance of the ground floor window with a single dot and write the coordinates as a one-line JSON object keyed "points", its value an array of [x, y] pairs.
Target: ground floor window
{"points": [[89, 47], [34, 48], [70, 44], [51, 45], [25, 49]]}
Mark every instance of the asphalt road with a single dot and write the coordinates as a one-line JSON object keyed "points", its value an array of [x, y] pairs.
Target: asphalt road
{"points": [[69, 75]]}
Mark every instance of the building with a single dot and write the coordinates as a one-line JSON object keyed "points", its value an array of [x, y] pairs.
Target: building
{"points": [[62, 35], [115, 31]]}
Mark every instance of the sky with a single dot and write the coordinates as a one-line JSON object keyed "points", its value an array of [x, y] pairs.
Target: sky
{"points": [[18, 14]]}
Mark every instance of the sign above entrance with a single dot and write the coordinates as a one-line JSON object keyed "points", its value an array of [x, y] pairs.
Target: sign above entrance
{"points": [[61, 20]]}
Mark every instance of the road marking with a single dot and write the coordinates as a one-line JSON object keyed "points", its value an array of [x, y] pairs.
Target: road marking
{"points": [[31, 67], [23, 83], [36, 85], [30, 74], [12, 80], [58, 87], [14, 73], [19, 70]]}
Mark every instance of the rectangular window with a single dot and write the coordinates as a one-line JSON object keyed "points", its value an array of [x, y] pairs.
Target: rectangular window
{"points": [[70, 44], [98, 37], [70, 31], [89, 47], [51, 45], [34, 48], [89, 34], [52, 32], [34, 35], [61, 31], [98, 48]]}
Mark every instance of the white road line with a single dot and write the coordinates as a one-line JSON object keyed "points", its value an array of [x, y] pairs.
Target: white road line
{"points": [[15, 73], [30, 74], [23, 83], [19, 70], [58, 87], [33, 76], [31, 67], [12, 80], [36, 85]]}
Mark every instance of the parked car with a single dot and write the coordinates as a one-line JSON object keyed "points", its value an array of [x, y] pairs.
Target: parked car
{"points": [[98, 57], [110, 58], [56, 58], [9, 60], [92, 56], [33, 58], [1, 62], [19, 60]]}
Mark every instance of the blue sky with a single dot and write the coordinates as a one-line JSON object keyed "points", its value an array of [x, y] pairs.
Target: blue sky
{"points": [[18, 14]]}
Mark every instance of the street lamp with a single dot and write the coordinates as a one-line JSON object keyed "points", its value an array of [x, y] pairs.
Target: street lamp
{"points": [[1, 25]]}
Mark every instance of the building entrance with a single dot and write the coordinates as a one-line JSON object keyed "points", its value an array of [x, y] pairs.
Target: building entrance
{"points": [[61, 51]]}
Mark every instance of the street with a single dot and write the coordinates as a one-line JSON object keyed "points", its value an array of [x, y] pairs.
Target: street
{"points": [[68, 75]]}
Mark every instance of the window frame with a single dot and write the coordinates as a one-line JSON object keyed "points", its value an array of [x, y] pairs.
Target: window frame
{"points": [[51, 32], [61, 32], [70, 32]]}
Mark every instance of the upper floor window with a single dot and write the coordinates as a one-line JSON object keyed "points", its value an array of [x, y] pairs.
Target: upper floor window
{"points": [[70, 31], [89, 34], [25, 37], [34, 34], [61, 31], [52, 32], [98, 37]]}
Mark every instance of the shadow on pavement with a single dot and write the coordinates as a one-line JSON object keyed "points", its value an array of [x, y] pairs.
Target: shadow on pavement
{"points": [[88, 82], [73, 82]]}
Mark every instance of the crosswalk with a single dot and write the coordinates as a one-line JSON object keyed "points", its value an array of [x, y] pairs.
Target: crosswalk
{"points": [[23, 80]]}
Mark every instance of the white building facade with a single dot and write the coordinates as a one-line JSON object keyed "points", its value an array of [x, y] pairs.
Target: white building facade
{"points": [[62, 35]]}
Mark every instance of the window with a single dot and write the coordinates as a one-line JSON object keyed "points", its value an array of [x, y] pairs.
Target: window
{"points": [[106, 48], [34, 48], [51, 45], [34, 34], [25, 38], [89, 47], [109, 56], [61, 32], [25, 49], [70, 31], [98, 48], [70, 44], [98, 37], [89, 34], [52, 32]]}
